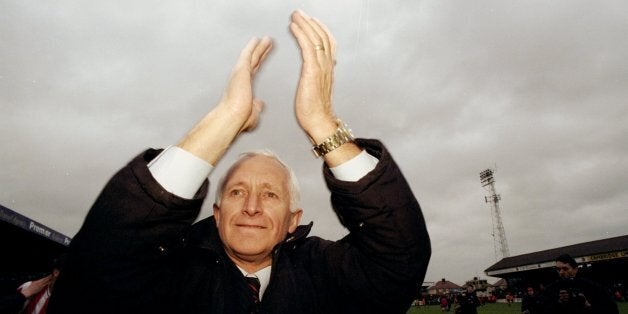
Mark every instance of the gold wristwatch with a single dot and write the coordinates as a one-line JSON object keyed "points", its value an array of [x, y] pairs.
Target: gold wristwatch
{"points": [[341, 136]]}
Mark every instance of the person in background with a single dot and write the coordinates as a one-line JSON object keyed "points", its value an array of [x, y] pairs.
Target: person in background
{"points": [[14, 302], [509, 298], [444, 304], [468, 302], [573, 294], [530, 303], [32, 297]]}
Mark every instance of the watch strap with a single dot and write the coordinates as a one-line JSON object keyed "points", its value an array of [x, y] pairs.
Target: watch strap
{"points": [[341, 136]]}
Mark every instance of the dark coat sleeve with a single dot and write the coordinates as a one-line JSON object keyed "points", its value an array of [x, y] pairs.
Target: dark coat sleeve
{"points": [[118, 259], [384, 258]]}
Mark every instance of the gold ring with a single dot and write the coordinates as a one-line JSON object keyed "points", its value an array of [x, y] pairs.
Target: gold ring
{"points": [[319, 47]]}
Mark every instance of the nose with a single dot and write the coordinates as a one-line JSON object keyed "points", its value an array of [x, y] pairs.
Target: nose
{"points": [[252, 206]]}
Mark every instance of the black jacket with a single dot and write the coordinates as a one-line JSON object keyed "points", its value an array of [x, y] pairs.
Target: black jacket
{"points": [[578, 291], [136, 252]]}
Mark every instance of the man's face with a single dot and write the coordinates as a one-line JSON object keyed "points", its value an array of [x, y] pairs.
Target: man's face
{"points": [[254, 214], [530, 291], [565, 270]]}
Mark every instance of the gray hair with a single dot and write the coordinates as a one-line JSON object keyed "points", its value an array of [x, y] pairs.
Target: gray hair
{"points": [[293, 183]]}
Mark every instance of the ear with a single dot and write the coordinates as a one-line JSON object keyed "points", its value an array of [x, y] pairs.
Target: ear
{"points": [[295, 218], [216, 214]]}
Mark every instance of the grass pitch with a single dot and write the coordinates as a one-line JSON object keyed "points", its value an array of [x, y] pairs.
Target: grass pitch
{"points": [[493, 308]]}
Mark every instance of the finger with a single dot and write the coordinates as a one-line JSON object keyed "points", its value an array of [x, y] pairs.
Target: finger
{"points": [[253, 120], [303, 21], [258, 106], [44, 279], [330, 37], [307, 48], [321, 34], [324, 34], [245, 56], [260, 52]]}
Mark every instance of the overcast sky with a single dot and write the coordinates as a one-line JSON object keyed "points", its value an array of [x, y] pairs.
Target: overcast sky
{"points": [[537, 90]]}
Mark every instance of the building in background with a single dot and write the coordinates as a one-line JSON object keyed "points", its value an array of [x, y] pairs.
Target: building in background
{"points": [[28, 249], [603, 261], [444, 287]]}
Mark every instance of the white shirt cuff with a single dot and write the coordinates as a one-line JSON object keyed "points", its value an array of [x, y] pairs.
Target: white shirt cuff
{"points": [[179, 171], [355, 168]]}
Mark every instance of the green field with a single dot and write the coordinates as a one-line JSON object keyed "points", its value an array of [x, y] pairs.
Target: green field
{"points": [[494, 308]]}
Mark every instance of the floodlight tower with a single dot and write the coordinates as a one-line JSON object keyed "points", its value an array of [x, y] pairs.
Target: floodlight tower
{"points": [[499, 234]]}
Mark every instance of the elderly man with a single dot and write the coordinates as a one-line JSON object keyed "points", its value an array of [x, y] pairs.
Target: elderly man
{"points": [[138, 251]]}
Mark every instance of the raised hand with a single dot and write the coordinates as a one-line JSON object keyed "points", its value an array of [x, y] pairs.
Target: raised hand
{"points": [[36, 286], [313, 102], [237, 111], [238, 96]]}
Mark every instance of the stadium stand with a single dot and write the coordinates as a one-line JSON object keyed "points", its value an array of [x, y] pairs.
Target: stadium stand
{"points": [[604, 261], [28, 249]]}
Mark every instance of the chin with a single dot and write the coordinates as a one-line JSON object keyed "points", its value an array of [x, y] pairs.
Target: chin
{"points": [[248, 250]]}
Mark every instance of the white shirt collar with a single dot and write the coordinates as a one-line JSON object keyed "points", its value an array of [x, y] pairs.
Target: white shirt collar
{"points": [[264, 278]]}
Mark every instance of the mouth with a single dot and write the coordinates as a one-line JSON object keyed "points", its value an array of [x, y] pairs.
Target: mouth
{"points": [[250, 226]]}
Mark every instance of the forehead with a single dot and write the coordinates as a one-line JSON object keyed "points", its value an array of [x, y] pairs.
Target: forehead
{"points": [[260, 169]]}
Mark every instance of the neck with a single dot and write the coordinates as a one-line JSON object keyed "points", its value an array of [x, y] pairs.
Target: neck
{"points": [[250, 265], [252, 268]]}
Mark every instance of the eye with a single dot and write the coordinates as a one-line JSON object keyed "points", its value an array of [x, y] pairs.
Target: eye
{"points": [[269, 194], [236, 192]]}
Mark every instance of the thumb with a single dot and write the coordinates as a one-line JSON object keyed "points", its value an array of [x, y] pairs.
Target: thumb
{"points": [[253, 120]]}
